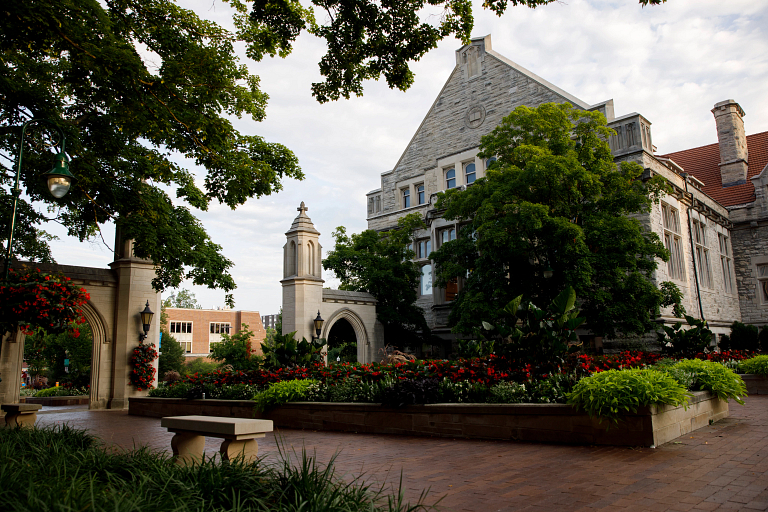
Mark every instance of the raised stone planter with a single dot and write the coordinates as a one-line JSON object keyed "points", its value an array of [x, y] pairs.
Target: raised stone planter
{"points": [[552, 423], [756, 384], [56, 400]]}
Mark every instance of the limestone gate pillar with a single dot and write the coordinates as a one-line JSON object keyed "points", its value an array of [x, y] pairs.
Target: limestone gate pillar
{"points": [[302, 281]]}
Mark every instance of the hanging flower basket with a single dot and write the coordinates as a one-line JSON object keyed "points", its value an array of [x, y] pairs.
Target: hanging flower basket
{"points": [[143, 372], [32, 298]]}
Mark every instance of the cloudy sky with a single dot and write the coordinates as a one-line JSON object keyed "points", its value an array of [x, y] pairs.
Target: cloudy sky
{"points": [[671, 63]]}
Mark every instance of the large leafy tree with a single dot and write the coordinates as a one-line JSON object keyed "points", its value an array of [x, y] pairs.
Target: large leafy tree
{"points": [[555, 202], [365, 38], [380, 263], [134, 84]]}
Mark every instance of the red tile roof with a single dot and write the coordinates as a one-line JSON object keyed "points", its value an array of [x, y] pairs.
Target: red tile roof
{"points": [[703, 163]]}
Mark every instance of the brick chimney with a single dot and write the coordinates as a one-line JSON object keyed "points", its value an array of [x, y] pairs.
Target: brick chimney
{"points": [[733, 142]]}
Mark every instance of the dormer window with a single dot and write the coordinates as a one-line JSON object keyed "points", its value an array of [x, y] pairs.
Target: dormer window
{"points": [[450, 178]]}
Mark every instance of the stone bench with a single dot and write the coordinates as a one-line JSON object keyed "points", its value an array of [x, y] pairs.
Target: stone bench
{"points": [[20, 415], [239, 436]]}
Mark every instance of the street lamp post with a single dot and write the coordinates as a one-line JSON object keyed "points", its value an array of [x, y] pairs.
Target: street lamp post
{"points": [[59, 179]]}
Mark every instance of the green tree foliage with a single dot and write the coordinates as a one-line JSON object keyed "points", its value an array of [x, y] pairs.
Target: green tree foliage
{"points": [[365, 38], [380, 264], [135, 85], [286, 351], [554, 200], [687, 342], [744, 337], [49, 352], [198, 365], [236, 350], [171, 356], [183, 299]]}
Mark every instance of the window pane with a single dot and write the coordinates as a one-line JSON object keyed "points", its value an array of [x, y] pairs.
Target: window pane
{"points": [[470, 172], [762, 270], [429, 248], [426, 280], [490, 161], [450, 178], [406, 198], [420, 194], [213, 328]]}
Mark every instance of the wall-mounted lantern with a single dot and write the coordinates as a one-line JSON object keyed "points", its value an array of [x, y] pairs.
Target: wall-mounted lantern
{"points": [[146, 320], [318, 324]]}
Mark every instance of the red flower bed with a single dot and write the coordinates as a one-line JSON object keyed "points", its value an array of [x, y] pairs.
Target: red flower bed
{"points": [[486, 370]]}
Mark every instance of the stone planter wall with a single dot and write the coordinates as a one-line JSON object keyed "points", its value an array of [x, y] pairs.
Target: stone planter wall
{"points": [[756, 384], [56, 400], [555, 423]]}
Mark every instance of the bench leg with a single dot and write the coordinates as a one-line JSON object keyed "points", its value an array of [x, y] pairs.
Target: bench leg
{"points": [[187, 448], [247, 448], [20, 419]]}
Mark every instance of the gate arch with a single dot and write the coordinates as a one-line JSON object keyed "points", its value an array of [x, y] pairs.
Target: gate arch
{"points": [[361, 333]]}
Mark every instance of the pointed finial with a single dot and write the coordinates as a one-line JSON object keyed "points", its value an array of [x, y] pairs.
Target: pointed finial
{"points": [[301, 209]]}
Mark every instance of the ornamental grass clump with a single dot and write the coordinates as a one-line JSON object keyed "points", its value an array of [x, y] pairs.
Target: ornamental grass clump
{"points": [[758, 365], [612, 393], [64, 469], [715, 378]]}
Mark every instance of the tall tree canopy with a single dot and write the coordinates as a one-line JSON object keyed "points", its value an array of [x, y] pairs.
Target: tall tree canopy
{"points": [[134, 84], [365, 38], [381, 264], [554, 201]]}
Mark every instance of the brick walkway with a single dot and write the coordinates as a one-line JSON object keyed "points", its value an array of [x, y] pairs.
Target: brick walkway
{"points": [[720, 467]]}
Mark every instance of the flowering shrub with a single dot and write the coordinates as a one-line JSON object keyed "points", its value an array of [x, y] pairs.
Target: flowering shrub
{"points": [[143, 372], [32, 298]]}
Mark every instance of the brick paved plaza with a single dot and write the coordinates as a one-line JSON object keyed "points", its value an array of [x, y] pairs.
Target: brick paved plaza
{"points": [[720, 467]]}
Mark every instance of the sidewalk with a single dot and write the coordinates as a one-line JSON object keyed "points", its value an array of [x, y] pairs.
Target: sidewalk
{"points": [[720, 467]]}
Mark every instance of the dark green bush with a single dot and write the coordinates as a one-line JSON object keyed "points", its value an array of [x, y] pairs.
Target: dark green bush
{"points": [[412, 391], [61, 469], [611, 393], [507, 393], [687, 342], [715, 378], [744, 337], [61, 391]]}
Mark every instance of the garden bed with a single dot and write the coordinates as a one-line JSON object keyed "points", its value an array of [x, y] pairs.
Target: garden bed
{"points": [[54, 401], [554, 423], [756, 384]]}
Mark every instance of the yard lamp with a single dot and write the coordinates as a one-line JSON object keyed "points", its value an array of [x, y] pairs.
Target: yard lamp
{"points": [[146, 320], [59, 180], [318, 324]]}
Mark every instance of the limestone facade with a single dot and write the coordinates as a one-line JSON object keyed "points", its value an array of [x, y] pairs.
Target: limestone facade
{"points": [[718, 249]]}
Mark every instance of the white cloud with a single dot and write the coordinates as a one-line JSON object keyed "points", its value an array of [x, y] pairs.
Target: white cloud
{"points": [[671, 63]]}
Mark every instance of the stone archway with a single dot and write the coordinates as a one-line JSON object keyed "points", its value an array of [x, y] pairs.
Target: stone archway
{"points": [[358, 326]]}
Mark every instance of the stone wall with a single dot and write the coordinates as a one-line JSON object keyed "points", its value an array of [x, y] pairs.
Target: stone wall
{"points": [[750, 248]]}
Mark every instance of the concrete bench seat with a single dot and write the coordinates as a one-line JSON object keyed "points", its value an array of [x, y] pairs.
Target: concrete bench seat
{"points": [[239, 436], [20, 415]]}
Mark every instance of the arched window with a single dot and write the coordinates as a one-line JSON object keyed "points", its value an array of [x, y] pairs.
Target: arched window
{"points": [[450, 178], [310, 259], [469, 172]]}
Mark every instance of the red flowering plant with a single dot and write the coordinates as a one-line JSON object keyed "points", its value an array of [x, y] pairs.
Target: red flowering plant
{"points": [[32, 298], [143, 372]]}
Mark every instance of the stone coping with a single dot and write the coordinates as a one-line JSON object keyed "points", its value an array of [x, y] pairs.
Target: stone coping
{"points": [[554, 423], [20, 408], [54, 401], [756, 384]]}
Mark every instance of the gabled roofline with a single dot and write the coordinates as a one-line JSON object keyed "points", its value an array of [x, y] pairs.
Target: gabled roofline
{"points": [[573, 99]]}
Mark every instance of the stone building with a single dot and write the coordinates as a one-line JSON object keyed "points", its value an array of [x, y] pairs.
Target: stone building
{"points": [[716, 229], [197, 330]]}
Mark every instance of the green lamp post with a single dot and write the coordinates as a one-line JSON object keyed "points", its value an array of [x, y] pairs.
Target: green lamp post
{"points": [[58, 179]]}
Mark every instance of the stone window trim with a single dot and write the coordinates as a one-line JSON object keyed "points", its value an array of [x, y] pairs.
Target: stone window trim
{"points": [[450, 180], [446, 234], [421, 194], [422, 248], [470, 172], [704, 268], [425, 280], [405, 197], [673, 241], [760, 271], [374, 204], [726, 264]]}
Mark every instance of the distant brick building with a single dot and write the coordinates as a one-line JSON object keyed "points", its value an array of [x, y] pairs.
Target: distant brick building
{"points": [[197, 329], [269, 321]]}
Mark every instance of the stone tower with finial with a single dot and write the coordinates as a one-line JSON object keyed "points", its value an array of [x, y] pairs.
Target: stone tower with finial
{"points": [[302, 271]]}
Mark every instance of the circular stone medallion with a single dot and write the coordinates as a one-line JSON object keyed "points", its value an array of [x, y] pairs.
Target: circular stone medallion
{"points": [[475, 116]]}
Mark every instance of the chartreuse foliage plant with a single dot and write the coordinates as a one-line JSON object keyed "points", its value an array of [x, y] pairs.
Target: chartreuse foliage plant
{"points": [[283, 392], [758, 365], [285, 351], [612, 393], [67, 470], [715, 378]]}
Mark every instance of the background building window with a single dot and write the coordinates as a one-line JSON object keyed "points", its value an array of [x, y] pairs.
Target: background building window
{"points": [[450, 178], [490, 161], [762, 282], [181, 327], [426, 280], [726, 263], [447, 235], [420, 193], [424, 249], [182, 333], [702, 253], [406, 197], [469, 172], [220, 327], [673, 242]]}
